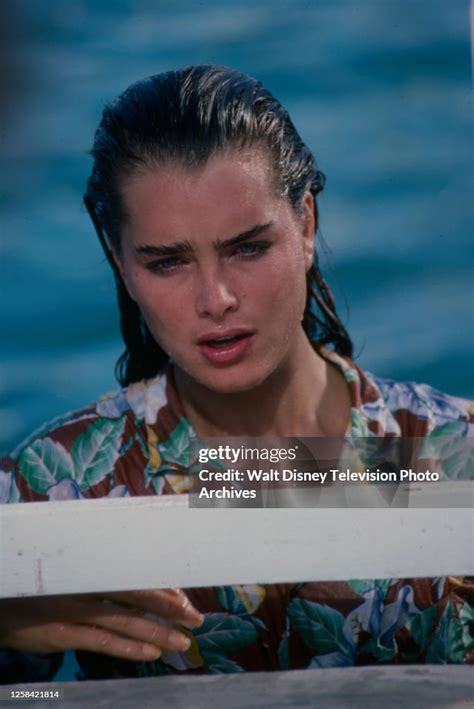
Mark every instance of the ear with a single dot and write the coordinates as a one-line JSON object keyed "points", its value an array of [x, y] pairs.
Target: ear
{"points": [[309, 226]]}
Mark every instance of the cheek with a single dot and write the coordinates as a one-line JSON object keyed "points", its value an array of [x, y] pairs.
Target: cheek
{"points": [[283, 283], [162, 322], [159, 303]]}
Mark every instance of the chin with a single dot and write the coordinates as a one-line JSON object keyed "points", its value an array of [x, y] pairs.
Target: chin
{"points": [[226, 382]]}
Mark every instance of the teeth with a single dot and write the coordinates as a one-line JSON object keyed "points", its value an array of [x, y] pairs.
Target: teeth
{"points": [[223, 343]]}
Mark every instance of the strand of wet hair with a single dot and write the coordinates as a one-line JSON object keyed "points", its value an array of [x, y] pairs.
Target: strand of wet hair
{"points": [[330, 329], [143, 357]]}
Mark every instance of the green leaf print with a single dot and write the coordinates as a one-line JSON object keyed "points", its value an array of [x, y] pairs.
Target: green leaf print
{"points": [[222, 633], [331, 659], [159, 482], [466, 617], [363, 586], [176, 447], [358, 425], [320, 627], [351, 375], [380, 652], [439, 448], [95, 451], [216, 664], [448, 444], [447, 645], [459, 466], [46, 428], [453, 429], [45, 463], [229, 600], [421, 626]]}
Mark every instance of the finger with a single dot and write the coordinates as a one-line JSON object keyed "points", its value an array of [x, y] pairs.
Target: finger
{"points": [[178, 596], [59, 637], [127, 621], [103, 641], [168, 604], [131, 624]]}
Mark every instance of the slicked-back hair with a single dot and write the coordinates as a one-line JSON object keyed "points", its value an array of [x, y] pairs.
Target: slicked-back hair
{"points": [[184, 117]]}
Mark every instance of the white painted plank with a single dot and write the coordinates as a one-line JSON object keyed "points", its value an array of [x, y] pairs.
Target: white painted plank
{"points": [[387, 686], [158, 542]]}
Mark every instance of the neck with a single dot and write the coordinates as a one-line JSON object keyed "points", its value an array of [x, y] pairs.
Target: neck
{"points": [[306, 396]]}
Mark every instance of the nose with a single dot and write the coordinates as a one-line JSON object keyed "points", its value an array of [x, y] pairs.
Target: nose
{"points": [[215, 297]]}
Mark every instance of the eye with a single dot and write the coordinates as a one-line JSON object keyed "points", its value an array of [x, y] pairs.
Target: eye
{"points": [[164, 265], [252, 249]]}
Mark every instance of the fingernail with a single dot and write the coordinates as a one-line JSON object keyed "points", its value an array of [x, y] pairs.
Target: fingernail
{"points": [[191, 611], [151, 652], [179, 641], [194, 620]]}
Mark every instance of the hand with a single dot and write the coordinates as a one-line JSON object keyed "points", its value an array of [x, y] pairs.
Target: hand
{"points": [[110, 623]]}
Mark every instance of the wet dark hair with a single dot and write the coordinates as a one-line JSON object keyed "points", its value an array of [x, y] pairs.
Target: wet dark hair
{"points": [[185, 117]]}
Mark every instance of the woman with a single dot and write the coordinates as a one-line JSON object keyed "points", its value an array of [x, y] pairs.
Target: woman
{"points": [[204, 198]]}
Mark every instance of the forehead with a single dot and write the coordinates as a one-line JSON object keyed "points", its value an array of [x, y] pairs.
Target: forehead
{"points": [[232, 191]]}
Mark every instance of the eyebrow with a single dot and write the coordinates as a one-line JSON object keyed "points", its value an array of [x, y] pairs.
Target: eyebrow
{"points": [[183, 247]]}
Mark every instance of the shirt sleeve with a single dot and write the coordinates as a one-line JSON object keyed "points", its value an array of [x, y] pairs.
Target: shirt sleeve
{"points": [[72, 458]]}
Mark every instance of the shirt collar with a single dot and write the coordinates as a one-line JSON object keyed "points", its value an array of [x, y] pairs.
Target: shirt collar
{"points": [[170, 433]]}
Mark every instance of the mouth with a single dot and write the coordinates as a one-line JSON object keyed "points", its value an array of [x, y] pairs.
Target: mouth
{"points": [[221, 339], [219, 344], [227, 349]]}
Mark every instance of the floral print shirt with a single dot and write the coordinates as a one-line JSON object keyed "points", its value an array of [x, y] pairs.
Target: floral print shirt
{"points": [[134, 442]]}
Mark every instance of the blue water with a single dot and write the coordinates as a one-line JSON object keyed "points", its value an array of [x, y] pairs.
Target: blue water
{"points": [[379, 89]]}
